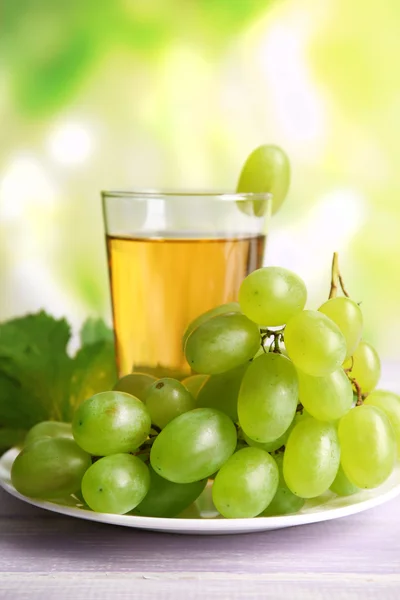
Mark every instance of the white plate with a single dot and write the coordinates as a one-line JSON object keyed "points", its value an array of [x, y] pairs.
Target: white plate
{"points": [[324, 508]]}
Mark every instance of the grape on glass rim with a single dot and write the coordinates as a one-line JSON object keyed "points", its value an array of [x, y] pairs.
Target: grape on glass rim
{"points": [[266, 170]]}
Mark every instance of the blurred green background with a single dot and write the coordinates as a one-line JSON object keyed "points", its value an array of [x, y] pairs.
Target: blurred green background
{"points": [[98, 94]]}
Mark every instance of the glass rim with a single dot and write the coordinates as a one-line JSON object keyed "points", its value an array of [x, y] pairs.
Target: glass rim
{"points": [[148, 194]]}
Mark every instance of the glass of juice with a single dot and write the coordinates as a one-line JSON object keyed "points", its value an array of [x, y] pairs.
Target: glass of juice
{"points": [[171, 257]]}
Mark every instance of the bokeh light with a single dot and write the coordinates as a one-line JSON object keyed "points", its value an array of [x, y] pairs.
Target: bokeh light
{"points": [[176, 94]]}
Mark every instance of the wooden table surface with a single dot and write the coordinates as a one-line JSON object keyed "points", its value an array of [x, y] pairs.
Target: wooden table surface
{"points": [[45, 556]]}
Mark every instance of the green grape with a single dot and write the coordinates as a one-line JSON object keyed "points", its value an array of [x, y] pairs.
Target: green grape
{"points": [[115, 484], [281, 440], [191, 512], [110, 423], [267, 169], [311, 459], [193, 446], [342, 486], [168, 499], [368, 446], [246, 484], [314, 343], [267, 446], [50, 468], [166, 399], [222, 343], [135, 384], [259, 352], [365, 367], [284, 502], [326, 398], [390, 404], [241, 443], [230, 307], [221, 391], [348, 317], [52, 429], [194, 383], [300, 415], [272, 295], [268, 397]]}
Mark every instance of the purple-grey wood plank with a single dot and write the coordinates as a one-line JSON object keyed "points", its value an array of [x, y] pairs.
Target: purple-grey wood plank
{"points": [[41, 552], [114, 586]]}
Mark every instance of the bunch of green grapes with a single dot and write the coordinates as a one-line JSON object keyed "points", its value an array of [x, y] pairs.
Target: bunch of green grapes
{"points": [[267, 416], [268, 424]]}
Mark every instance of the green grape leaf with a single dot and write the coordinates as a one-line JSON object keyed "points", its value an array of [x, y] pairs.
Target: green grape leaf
{"points": [[38, 379], [35, 370], [94, 371], [95, 330], [11, 437]]}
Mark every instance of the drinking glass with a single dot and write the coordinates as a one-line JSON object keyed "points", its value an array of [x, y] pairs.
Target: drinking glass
{"points": [[171, 257]]}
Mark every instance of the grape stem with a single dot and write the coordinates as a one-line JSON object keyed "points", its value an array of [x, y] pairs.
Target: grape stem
{"points": [[145, 452], [141, 451], [360, 396], [147, 444], [277, 338], [239, 431], [337, 279], [149, 441], [349, 370]]}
